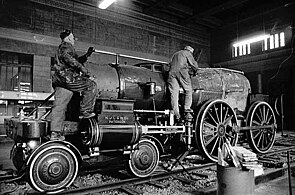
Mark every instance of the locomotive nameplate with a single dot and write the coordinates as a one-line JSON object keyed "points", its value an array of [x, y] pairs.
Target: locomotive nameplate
{"points": [[116, 118]]}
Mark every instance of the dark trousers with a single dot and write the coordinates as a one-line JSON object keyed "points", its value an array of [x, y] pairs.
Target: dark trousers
{"points": [[175, 81]]}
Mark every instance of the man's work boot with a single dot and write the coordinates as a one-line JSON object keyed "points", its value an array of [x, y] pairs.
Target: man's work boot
{"points": [[178, 121], [56, 136], [86, 115]]}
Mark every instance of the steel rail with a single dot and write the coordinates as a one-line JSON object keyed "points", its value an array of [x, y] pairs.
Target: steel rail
{"points": [[133, 181], [285, 149]]}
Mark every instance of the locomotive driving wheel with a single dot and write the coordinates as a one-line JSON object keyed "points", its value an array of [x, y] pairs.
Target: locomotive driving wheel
{"points": [[144, 159], [261, 140], [52, 168], [215, 124]]}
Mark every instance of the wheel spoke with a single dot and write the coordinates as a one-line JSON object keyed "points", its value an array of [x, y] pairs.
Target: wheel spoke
{"points": [[225, 113], [214, 146], [266, 116], [212, 118], [255, 136], [268, 121], [256, 123], [220, 112], [226, 121], [260, 135], [267, 140], [259, 117], [216, 113], [211, 139], [261, 112], [269, 136], [262, 140], [210, 126]]}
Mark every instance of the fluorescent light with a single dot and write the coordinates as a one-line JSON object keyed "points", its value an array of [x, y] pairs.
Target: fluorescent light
{"points": [[105, 3], [251, 40]]}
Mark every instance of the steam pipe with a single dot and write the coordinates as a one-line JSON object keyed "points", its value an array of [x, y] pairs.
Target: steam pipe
{"points": [[127, 56]]}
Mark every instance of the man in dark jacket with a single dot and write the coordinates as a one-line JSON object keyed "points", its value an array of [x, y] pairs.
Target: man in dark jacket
{"points": [[179, 76], [70, 75]]}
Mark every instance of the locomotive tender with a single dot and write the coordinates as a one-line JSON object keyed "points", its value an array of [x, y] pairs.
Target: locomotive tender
{"points": [[133, 123]]}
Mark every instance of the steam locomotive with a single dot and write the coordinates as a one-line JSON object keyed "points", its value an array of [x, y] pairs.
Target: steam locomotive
{"points": [[133, 123]]}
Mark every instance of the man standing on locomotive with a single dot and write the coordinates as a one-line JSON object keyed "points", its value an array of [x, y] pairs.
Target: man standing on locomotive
{"points": [[69, 75], [182, 61]]}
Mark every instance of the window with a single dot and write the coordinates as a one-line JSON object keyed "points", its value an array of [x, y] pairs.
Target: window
{"points": [[15, 71], [258, 44], [275, 41]]}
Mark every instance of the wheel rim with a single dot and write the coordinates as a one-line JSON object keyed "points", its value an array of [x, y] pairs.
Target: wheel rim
{"points": [[52, 169], [144, 160], [215, 124], [260, 114]]}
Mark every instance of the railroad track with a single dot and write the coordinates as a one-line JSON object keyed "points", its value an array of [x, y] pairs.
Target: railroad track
{"points": [[187, 176], [129, 184]]}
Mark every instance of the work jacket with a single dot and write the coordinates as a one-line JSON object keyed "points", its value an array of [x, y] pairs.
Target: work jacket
{"points": [[182, 61], [68, 65]]}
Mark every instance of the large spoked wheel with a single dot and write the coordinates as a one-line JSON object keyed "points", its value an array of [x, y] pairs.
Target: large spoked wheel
{"points": [[144, 159], [216, 122], [261, 114], [52, 168]]}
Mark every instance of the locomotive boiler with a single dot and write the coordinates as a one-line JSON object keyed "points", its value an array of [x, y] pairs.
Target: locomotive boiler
{"points": [[133, 124]]}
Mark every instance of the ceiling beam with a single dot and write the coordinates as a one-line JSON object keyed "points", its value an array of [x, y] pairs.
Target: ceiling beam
{"points": [[207, 15], [222, 7], [159, 4]]}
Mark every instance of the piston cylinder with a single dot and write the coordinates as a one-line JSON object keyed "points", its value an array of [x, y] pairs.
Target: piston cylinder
{"points": [[108, 137]]}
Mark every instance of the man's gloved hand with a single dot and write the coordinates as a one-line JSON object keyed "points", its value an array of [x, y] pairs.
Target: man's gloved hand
{"points": [[85, 72], [90, 51], [192, 71]]}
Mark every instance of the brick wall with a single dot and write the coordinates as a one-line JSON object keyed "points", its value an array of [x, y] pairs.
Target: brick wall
{"points": [[41, 72], [131, 33]]}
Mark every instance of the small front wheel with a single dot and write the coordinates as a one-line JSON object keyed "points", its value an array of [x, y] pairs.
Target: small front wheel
{"points": [[52, 168], [144, 159]]}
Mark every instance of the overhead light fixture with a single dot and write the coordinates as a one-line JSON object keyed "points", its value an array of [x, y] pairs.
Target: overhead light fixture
{"points": [[105, 4], [251, 40]]}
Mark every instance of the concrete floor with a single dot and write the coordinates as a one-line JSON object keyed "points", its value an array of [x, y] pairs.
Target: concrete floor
{"points": [[279, 186]]}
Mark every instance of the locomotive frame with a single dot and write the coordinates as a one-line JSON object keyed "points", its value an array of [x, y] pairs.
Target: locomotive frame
{"points": [[133, 124]]}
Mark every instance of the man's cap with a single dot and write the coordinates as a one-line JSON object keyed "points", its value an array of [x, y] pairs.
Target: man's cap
{"points": [[189, 48], [64, 34]]}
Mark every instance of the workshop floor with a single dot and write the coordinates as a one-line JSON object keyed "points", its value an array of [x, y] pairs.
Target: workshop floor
{"points": [[279, 186]]}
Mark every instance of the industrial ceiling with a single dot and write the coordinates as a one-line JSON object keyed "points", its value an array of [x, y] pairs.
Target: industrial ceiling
{"points": [[209, 13]]}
